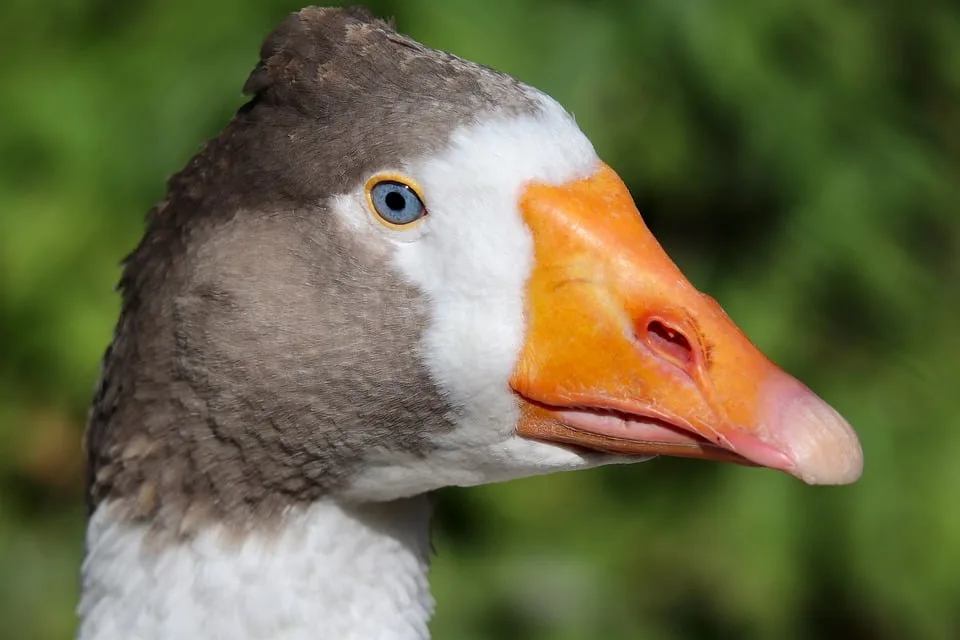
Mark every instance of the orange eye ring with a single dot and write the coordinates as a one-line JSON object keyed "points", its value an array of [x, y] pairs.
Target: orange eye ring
{"points": [[396, 200]]}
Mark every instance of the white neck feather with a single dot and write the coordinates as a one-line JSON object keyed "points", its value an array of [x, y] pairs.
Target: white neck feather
{"points": [[331, 571]]}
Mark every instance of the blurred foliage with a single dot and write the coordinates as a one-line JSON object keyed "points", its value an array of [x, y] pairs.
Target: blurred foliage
{"points": [[800, 159]]}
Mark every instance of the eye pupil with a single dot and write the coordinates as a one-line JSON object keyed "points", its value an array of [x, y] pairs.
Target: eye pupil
{"points": [[395, 201]]}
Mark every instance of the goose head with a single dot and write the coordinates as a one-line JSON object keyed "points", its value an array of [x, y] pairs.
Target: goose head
{"points": [[395, 271]]}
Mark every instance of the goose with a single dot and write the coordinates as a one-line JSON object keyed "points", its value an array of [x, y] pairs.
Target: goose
{"points": [[393, 271]]}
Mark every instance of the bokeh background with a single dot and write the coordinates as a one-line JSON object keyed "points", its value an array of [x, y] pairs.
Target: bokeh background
{"points": [[800, 160]]}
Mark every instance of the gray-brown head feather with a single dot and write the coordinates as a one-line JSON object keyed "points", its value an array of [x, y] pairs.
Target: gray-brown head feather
{"points": [[262, 351]]}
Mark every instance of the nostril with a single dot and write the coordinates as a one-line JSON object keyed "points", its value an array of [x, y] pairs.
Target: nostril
{"points": [[669, 342]]}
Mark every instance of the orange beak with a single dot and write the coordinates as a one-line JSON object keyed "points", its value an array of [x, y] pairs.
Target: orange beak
{"points": [[622, 354]]}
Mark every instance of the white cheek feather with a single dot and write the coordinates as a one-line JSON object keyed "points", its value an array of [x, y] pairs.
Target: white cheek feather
{"points": [[472, 258]]}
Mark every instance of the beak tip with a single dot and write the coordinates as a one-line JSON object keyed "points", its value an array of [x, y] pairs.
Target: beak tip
{"points": [[822, 445]]}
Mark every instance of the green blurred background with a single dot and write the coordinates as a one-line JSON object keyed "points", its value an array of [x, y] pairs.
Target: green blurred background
{"points": [[800, 160]]}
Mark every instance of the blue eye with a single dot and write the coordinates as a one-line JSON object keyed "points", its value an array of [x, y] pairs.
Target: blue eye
{"points": [[397, 203]]}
